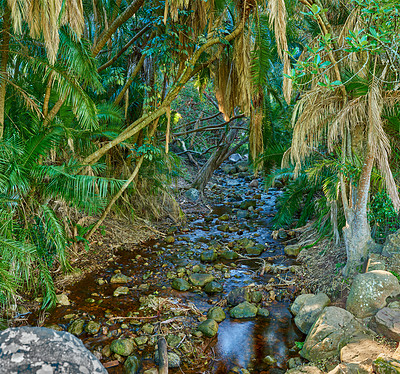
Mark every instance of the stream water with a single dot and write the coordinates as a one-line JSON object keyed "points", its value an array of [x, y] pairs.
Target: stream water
{"points": [[260, 345]]}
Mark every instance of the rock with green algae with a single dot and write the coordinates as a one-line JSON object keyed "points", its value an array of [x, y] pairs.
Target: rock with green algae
{"points": [[209, 327], [213, 287], [92, 327], [244, 310], [180, 284], [208, 256], [121, 291], [216, 313], [76, 327], [200, 279], [132, 365], [122, 347], [120, 278]]}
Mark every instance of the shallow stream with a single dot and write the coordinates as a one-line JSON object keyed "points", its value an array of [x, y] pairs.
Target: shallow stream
{"points": [[260, 345]]}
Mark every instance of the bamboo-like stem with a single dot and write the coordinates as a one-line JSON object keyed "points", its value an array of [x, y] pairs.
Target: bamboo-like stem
{"points": [[3, 65]]}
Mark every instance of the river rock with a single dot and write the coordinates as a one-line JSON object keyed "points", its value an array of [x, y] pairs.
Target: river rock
{"points": [[229, 255], [386, 365], [310, 311], [208, 256], [299, 302], [120, 278], [92, 327], [236, 157], [200, 279], [244, 310], [148, 328], [246, 204], [242, 214], [238, 295], [387, 323], [242, 166], [333, 329], [62, 299], [173, 340], [193, 194], [292, 250], [121, 290], [174, 361], [32, 350], [216, 313], [132, 365], [307, 369], [76, 327], [169, 239], [254, 183], [392, 245], [369, 292], [209, 327], [255, 250], [263, 312], [180, 284], [122, 347], [229, 169], [213, 287]]}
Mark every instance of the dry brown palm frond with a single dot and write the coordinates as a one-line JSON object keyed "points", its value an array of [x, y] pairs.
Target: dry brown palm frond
{"points": [[378, 141], [311, 116], [45, 17], [256, 121], [277, 9]]}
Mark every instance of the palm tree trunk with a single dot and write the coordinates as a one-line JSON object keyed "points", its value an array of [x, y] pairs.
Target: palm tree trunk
{"points": [[3, 66], [357, 232]]}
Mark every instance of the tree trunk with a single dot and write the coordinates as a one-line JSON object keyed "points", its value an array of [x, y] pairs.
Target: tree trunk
{"points": [[214, 162], [357, 232], [3, 66]]}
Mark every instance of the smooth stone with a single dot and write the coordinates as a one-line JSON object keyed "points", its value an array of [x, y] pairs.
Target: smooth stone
{"points": [[263, 312], [120, 278], [121, 290], [310, 311], [246, 204], [209, 327], [256, 250], [299, 302], [242, 214], [169, 239], [387, 323], [369, 292], [294, 362], [193, 194], [244, 310], [141, 340], [270, 360], [173, 340], [122, 347], [92, 327], [292, 250], [62, 299], [180, 284], [76, 327], [216, 313], [235, 157], [208, 256], [200, 279], [213, 287], [224, 217], [132, 365], [148, 328], [229, 255], [333, 329], [174, 361]]}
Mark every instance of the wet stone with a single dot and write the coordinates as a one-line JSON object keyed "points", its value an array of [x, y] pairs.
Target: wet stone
{"points": [[192, 194], [174, 361], [76, 327], [213, 287], [242, 214], [173, 340], [209, 327], [141, 340], [148, 328], [223, 228], [246, 204], [122, 347], [217, 314], [263, 312], [132, 365], [224, 217], [180, 284], [120, 291], [200, 279], [208, 256], [62, 299], [244, 310], [169, 239], [256, 250], [119, 278], [92, 327], [229, 255]]}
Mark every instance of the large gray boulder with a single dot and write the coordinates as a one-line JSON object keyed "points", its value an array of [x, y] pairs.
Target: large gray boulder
{"points": [[334, 328], [310, 310], [306, 369], [369, 292], [39, 350]]}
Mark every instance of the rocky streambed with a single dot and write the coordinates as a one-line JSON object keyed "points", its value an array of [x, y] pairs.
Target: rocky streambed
{"points": [[218, 289]]}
